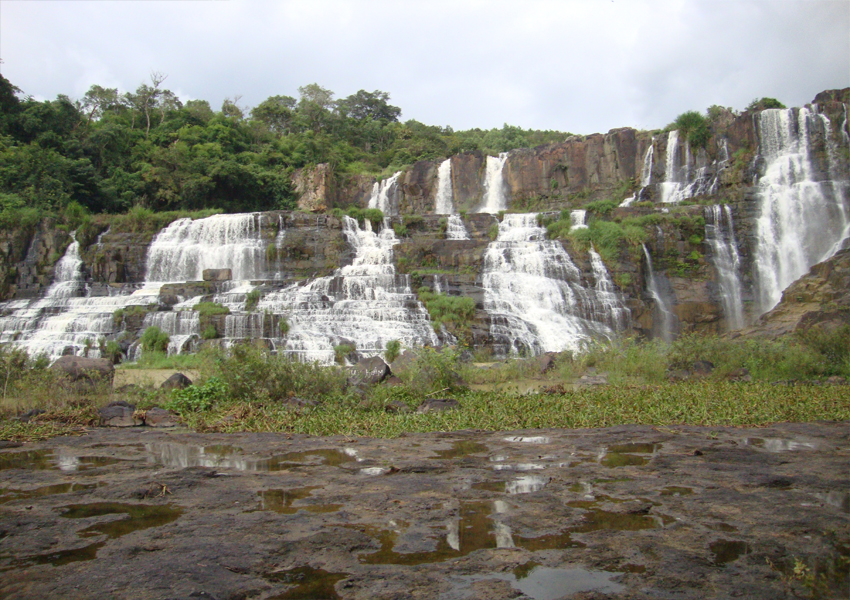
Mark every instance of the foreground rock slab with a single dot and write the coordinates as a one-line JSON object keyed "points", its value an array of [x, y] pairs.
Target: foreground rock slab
{"points": [[624, 512]]}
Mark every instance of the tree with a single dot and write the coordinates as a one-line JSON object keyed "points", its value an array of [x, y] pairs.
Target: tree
{"points": [[276, 113], [231, 108], [97, 100], [764, 103], [693, 127], [369, 105], [315, 105]]}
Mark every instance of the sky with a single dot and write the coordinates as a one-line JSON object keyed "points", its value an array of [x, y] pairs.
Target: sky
{"points": [[582, 66]]}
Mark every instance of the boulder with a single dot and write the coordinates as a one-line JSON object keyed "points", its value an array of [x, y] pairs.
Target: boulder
{"points": [[370, 371], [217, 274], [119, 414], [438, 405], [159, 417], [545, 362], [87, 370], [178, 381], [397, 406]]}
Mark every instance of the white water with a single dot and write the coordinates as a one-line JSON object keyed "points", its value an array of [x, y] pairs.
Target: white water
{"points": [[696, 176], [182, 251], [384, 195], [645, 174], [578, 219], [65, 320], [444, 202], [455, 229], [494, 185], [668, 320], [365, 304], [534, 294], [720, 235], [608, 307], [802, 218]]}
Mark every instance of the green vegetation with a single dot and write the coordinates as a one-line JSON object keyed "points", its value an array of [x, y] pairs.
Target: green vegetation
{"points": [[283, 325], [209, 333], [453, 312], [392, 351], [341, 352], [764, 103], [694, 128], [252, 299], [154, 339], [210, 309], [145, 153]]}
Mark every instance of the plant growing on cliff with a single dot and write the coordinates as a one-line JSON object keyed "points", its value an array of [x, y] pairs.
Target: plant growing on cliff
{"points": [[252, 299], [392, 351], [342, 352], [154, 339], [283, 325], [764, 103], [453, 312], [694, 128], [210, 309]]}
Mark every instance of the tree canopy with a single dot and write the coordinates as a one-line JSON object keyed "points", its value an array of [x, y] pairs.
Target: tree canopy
{"points": [[110, 151]]}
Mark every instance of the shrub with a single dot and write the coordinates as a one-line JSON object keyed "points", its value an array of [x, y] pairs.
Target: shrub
{"points": [[400, 229], [154, 339], [764, 103], [197, 398], [341, 352], [433, 372], [600, 207], [209, 333], [693, 127], [283, 325], [210, 309], [392, 351], [252, 299], [448, 310], [493, 232]]}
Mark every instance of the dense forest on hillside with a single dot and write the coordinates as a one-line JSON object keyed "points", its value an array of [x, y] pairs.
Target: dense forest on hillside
{"points": [[110, 152]]}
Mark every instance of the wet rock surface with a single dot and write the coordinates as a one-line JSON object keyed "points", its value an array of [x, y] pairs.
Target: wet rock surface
{"points": [[623, 512]]}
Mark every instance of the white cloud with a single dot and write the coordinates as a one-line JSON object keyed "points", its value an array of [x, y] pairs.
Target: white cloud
{"points": [[580, 66]]}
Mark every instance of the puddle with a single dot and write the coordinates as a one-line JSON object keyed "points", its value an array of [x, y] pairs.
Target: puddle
{"points": [[535, 439], [635, 448], [840, 500], [490, 486], [546, 583], [372, 471], [138, 517], [182, 456], [778, 444], [310, 583], [630, 568], [518, 467], [281, 501], [10, 495], [672, 490], [474, 530], [459, 449], [47, 460], [603, 520], [623, 455], [526, 484], [615, 459], [726, 551], [35, 460]]}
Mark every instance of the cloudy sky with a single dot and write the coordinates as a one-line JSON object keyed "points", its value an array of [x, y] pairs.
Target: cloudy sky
{"points": [[581, 66]]}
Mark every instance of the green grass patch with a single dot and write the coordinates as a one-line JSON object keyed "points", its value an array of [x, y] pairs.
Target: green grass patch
{"points": [[210, 309]]}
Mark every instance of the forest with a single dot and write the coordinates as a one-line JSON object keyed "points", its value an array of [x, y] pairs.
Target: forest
{"points": [[109, 152]]}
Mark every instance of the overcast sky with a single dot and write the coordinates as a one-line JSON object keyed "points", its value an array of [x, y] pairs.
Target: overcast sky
{"points": [[582, 66]]}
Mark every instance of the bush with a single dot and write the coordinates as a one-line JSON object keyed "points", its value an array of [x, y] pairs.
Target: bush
{"points": [[693, 127], [210, 333], [252, 299], [764, 103], [197, 398], [341, 352], [210, 309], [283, 325], [433, 372], [154, 339], [448, 310], [392, 351], [600, 207]]}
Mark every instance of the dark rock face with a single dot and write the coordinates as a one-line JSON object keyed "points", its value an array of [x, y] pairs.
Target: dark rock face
{"points": [[87, 370], [178, 381], [119, 414], [370, 371], [217, 274]]}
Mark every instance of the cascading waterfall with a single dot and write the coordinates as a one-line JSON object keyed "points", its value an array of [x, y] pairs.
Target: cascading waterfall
{"points": [[444, 202], [578, 219], [645, 174], [365, 304], [668, 320], [182, 251], [672, 184], [534, 295], [382, 196], [802, 218], [65, 320], [694, 177], [609, 307], [720, 235], [455, 229], [494, 185]]}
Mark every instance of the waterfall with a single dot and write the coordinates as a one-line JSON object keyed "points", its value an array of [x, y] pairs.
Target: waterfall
{"points": [[381, 197], [534, 295], [182, 251], [668, 319], [578, 219], [720, 235], [455, 229], [610, 308], [682, 182], [494, 185], [444, 203], [365, 304], [645, 174], [802, 218], [671, 186]]}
